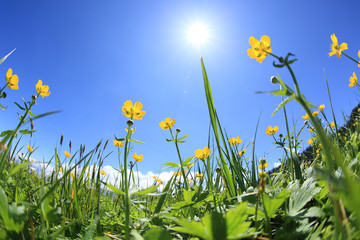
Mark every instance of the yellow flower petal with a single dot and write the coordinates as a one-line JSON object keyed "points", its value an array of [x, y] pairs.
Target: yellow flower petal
{"points": [[67, 154], [253, 42]]}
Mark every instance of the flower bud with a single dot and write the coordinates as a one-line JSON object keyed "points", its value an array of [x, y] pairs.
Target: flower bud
{"points": [[130, 122], [274, 80], [34, 97], [280, 135], [262, 161], [178, 130], [218, 169], [4, 94]]}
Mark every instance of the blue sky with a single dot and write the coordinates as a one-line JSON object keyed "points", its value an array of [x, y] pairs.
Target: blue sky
{"points": [[94, 56]]}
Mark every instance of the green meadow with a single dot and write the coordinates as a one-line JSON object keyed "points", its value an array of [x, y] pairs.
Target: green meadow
{"points": [[223, 191]]}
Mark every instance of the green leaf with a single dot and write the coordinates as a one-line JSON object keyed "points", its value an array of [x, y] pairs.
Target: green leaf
{"points": [[157, 234], [145, 191], [4, 58], [51, 213], [27, 131], [2, 107], [135, 141], [272, 205], [91, 229], [18, 167], [188, 195], [283, 103], [172, 164], [235, 222], [113, 188]]}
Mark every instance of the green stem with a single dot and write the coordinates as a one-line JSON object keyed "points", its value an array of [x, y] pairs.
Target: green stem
{"points": [[127, 199], [267, 217], [350, 58], [181, 163]]}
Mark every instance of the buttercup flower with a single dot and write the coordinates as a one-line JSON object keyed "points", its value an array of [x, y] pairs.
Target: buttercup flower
{"points": [[102, 172], [335, 48], [12, 80], [242, 152], [234, 141], [67, 154], [133, 112], [158, 179], [199, 175], [30, 148], [315, 113], [43, 90], [203, 154], [353, 80], [118, 143], [72, 175], [271, 131], [154, 177], [167, 124], [359, 57], [263, 166], [260, 49], [306, 117], [137, 158], [310, 141], [311, 130], [332, 125], [321, 107], [60, 170]]}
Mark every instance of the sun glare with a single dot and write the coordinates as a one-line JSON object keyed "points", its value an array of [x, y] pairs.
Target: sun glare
{"points": [[198, 34]]}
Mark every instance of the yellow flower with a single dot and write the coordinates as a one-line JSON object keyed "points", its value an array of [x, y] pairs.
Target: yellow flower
{"points": [[102, 172], [353, 80], [118, 143], [67, 154], [189, 165], [158, 179], [335, 48], [132, 130], [43, 90], [271, 131], [72, 175], [321, 107], [359, 57], [203, 154], [315, 113], [60, 170], [179, 173], [199, 175], [12, 80], [154, 177], [30, 148], [332, 125], [242, 152], [189, 180], [260, 49], [311, 130], [263, 166], [306, 117], [137, 158], [133, 112], [234, 141], [310, 141], [167, 124]]}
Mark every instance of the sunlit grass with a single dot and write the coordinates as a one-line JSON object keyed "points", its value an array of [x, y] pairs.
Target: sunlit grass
{"points": [[221, 191]]}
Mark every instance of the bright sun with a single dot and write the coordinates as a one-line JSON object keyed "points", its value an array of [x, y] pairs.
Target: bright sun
{"points": [[198, 34]]}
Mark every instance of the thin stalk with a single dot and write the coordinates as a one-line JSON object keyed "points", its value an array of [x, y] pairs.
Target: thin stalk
{"points": [[181, 162], [126, 186]]}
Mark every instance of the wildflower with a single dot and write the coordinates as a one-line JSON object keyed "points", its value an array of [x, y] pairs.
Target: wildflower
{"points": [[102, 172], [310, 141], [306, 117], [189, 180], [132, 130], [260, 49], [263, 166], [332, 125], [271, 131], [154, 177], [203, 154], [167, 124], [60, 170], [321, 107], [353, 80], [179, 173], [315, 113], [311, 130], [133, 112], [12, 80], [199, 175], [67, 154], [335, 48], [118, 143], [359, 57], [234, 141], [88, 174], [137, 158], [30, 148], [158, 179], [72, 175], [43, 90], [189, 165], [242, 152]]}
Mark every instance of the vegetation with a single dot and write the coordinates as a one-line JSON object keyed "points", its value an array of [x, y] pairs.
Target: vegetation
{"points": [[314, 194]]}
